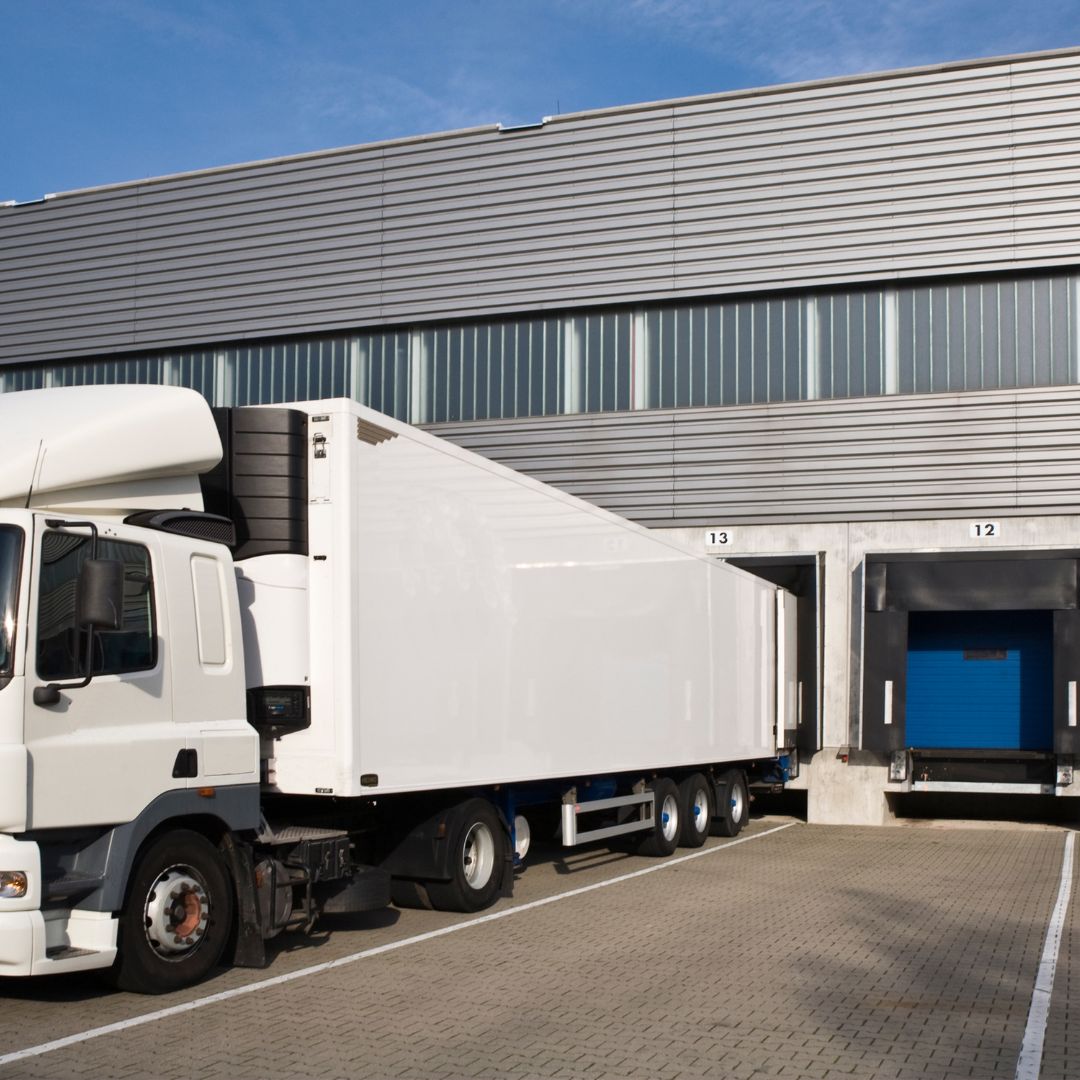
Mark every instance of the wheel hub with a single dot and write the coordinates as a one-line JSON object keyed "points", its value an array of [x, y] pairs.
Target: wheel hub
{"points": [[701, 810], [478, 856], [177, 912], [737, 804], [669, 818]]}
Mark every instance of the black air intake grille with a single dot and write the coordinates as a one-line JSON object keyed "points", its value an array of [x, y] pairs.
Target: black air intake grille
{"points": [[215, 528], [211, 527]]}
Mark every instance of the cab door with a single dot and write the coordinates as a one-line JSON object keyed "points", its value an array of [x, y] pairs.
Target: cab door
{"points": [[107, 749]]}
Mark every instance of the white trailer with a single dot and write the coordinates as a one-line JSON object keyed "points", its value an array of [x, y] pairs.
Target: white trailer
{"points": [[258, 665]]}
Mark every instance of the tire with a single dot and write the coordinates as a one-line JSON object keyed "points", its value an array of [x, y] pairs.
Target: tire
{"points": [[665, 834], [733, 804], [696, 803], [477, 861], [184, 867]]}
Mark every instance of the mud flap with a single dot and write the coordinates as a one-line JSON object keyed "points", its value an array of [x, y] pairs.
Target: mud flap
{"points": [[250, 948], [506, 888]]}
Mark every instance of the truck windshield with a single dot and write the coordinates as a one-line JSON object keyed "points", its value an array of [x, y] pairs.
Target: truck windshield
{"points": [[11, 544]]}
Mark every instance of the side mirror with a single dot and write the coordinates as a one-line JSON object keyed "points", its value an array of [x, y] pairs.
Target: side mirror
{"points": [[99, 603]]}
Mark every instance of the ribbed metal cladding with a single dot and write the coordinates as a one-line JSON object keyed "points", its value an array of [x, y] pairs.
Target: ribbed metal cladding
{"points": [[965, 168], [936, 456]]}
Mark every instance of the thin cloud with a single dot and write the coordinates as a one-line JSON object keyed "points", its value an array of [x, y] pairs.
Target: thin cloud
{"points": [[199, 22], [380, 105], [789, 41]]}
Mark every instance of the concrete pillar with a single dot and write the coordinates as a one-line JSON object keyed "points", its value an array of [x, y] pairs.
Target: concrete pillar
{"points": [[840, 793]]}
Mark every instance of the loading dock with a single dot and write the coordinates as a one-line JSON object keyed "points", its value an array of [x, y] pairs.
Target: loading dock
{"points": [[970, 668]]}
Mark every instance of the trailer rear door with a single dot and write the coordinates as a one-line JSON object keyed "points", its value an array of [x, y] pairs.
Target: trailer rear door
{"points": [[787, 672]]}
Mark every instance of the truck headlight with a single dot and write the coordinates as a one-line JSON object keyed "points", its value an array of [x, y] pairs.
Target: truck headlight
{"points": [[13, 884]]}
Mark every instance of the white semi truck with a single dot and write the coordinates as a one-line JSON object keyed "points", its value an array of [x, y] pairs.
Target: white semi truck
{"points": [[259, 664]]}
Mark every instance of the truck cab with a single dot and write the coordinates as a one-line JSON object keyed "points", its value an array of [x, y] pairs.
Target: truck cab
{"points": [[116, 733]]}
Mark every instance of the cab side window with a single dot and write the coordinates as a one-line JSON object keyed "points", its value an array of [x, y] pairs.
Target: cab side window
{"points": [[61, 646]]}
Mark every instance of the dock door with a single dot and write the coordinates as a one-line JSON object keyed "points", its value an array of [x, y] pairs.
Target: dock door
{"points": [[980, 679]]}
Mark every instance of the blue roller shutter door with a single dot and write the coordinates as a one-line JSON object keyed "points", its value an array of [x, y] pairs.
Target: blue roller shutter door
{"points": [[980, 680]]}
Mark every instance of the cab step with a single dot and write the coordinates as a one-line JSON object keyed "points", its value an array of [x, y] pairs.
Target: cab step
{"points": [[68, 952]]}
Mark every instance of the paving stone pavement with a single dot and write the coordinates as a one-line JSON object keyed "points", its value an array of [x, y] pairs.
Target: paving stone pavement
{"points": [[814, 951]]}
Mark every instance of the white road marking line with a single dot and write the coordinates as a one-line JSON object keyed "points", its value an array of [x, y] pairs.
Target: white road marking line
{"points": [[378, 950], [1030, 1061]]}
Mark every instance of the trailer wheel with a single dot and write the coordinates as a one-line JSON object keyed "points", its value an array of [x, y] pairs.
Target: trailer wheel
{"points": [[695, 799], [478, 857], [178, 915], [664, 836], [733, 804]]}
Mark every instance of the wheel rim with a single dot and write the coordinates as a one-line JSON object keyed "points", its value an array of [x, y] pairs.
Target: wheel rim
{"points": [[669, 817], [738, 803], [699, 810], [478, 855], [176, 912], [522, 837]]}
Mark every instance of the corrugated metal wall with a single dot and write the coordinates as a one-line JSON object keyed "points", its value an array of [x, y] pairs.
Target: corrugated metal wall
{"points": [[935, 456], [961, 168]]}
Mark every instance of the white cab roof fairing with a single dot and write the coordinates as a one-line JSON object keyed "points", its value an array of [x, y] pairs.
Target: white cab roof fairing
{"points": [[105, 448]]}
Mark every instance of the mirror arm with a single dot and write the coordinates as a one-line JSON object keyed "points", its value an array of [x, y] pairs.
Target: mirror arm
{"points": [[60, 523], [50, 693]]}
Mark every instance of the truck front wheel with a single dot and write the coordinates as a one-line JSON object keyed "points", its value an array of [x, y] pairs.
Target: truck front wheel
{"points": [[178, 915]]}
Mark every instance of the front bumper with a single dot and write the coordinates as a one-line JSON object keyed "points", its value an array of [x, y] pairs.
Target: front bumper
{"points": [[22, 936], [35, 942]]}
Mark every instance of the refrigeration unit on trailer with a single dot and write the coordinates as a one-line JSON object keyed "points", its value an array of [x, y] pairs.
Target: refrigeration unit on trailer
{"points": [[261, 664]]}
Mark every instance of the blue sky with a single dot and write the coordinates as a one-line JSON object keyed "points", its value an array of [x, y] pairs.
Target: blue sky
{"points": [[98, 91]]}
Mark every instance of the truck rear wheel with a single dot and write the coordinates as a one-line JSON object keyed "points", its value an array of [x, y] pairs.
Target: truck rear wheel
{"points": [[477, 859], [696, 802], [733, 804], [664, 836], [178, 915]]}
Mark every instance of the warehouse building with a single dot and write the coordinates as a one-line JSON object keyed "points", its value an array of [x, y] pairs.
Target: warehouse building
{"points": [[829, 331]]}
